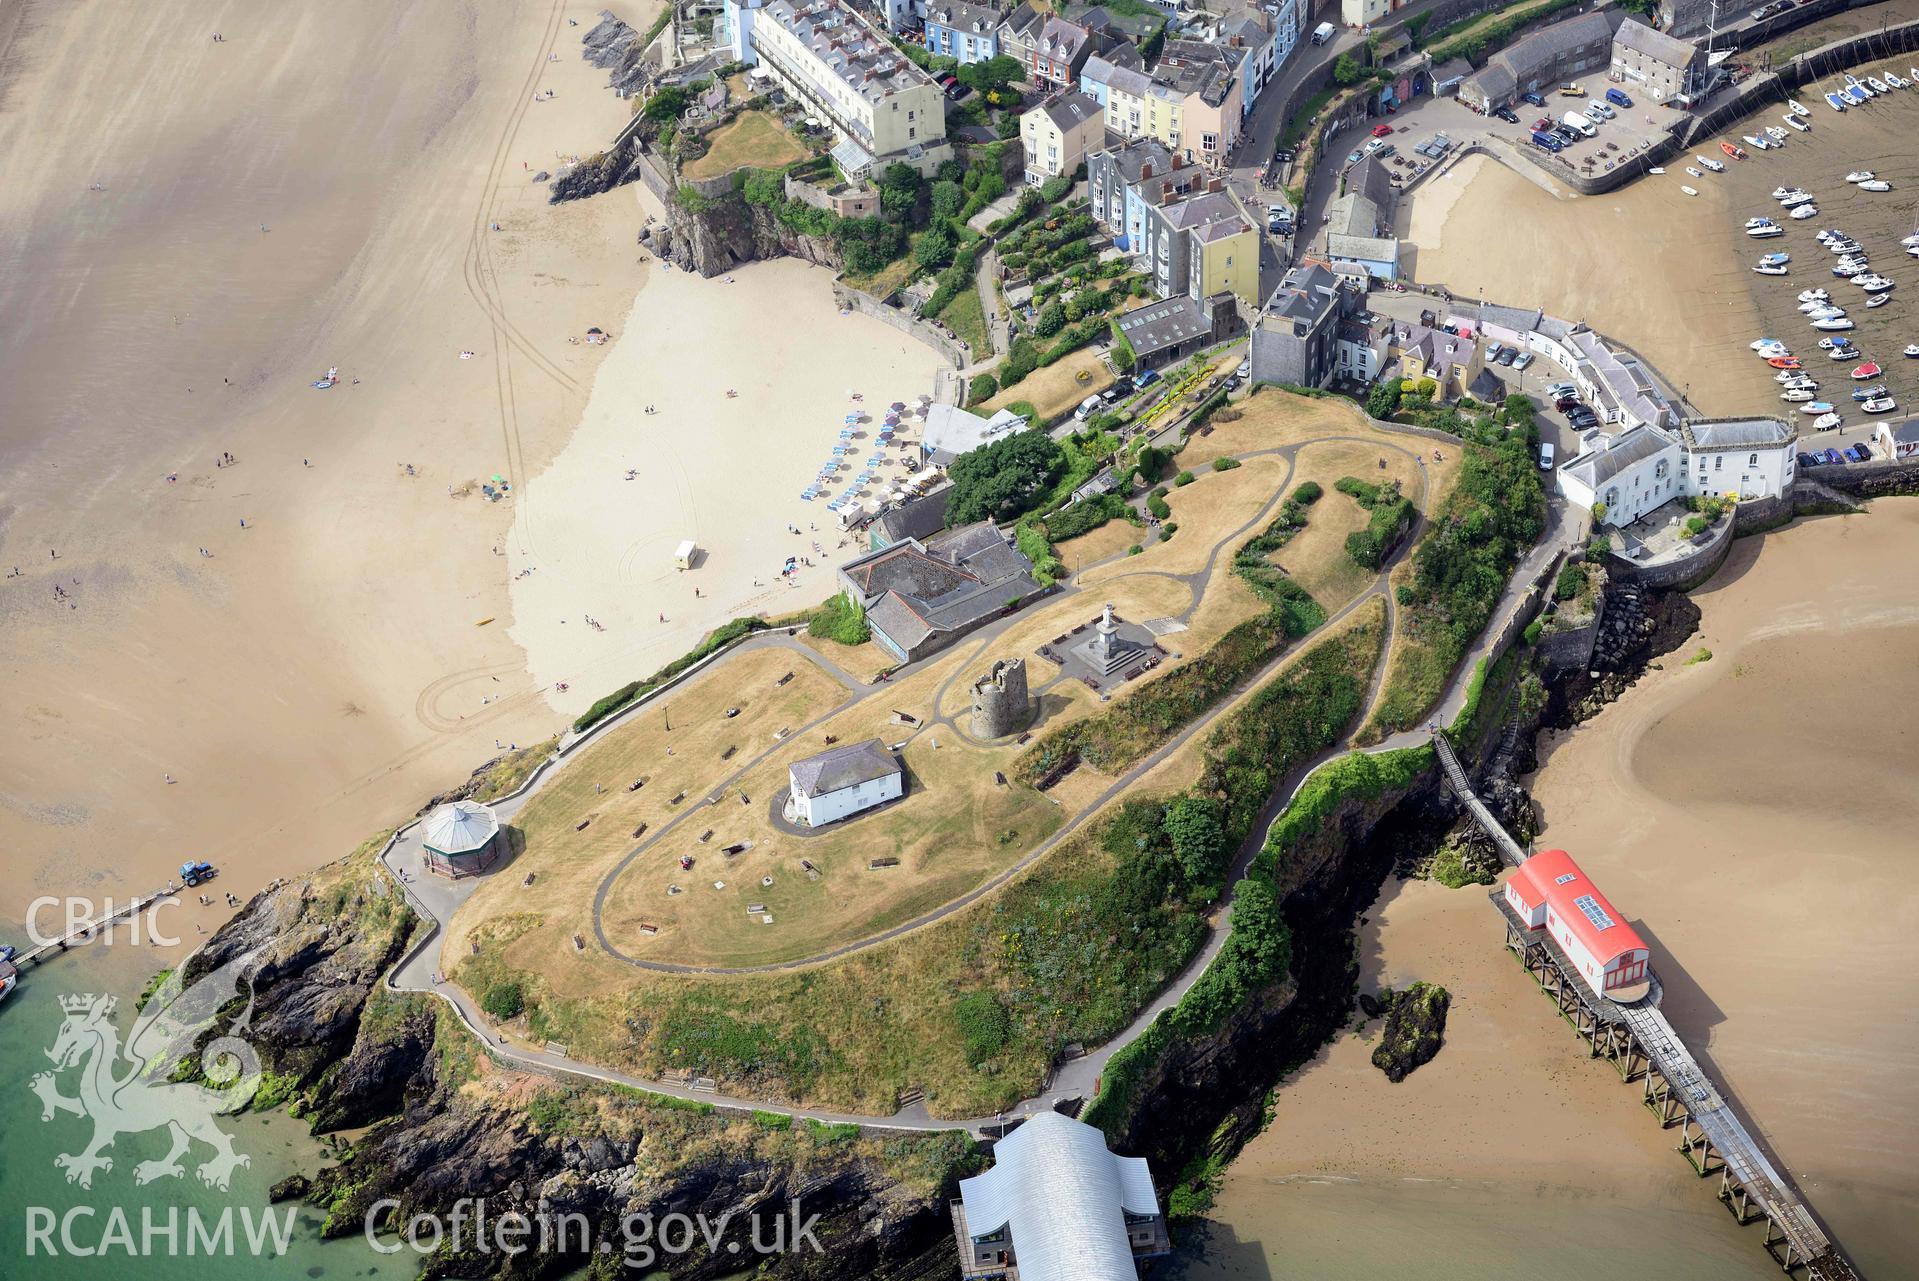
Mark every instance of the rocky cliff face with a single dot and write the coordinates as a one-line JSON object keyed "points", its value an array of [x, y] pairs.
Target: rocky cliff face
{"points": [[449, 1123], [616, 47], [727, 232]]}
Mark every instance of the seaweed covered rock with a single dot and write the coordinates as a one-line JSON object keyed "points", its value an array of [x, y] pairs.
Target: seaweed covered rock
{"points": [[1415, 1029]]}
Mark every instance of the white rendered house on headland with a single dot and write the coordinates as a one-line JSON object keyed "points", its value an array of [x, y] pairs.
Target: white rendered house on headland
{"points": [[843, 781], [1637, 470]]}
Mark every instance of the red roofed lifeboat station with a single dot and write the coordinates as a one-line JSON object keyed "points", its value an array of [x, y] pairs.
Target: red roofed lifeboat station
{"points": [[1550, 893]]}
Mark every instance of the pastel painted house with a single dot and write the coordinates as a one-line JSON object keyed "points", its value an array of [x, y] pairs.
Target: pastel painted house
{"points": [[966, 33], [1058, 134]]}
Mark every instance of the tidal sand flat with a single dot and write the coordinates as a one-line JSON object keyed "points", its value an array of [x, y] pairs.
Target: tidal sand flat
{"points": [[319, 189], [1748, 812], [1754, 811]]}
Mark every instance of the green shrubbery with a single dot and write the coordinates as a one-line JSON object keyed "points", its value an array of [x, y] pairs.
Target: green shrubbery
{"points": [[1004, 478], [1392, 516], [717, 639], [983, 1026], [840, 619], [504, 1000]]}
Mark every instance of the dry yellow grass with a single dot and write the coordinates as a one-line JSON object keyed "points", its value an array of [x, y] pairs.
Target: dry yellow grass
{"points": [[1058, 388], [1215, 508], [752, 138], [863, 661], [1316, 557], [566, 863], [1270, 418], [1110, 539]]}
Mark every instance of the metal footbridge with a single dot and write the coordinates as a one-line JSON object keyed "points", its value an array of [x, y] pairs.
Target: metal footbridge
{"points": [[1645, 1047]]}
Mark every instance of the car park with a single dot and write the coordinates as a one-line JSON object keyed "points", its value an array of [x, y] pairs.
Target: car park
{"points": [[1380, 131], [1532, 98]]}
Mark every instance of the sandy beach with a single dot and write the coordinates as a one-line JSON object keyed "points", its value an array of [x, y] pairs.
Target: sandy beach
{"points": [[316, 190], [1748, 812], [723, 471]]}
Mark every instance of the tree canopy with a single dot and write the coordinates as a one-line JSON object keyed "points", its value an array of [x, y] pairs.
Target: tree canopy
{"points": [[1004, 478]]}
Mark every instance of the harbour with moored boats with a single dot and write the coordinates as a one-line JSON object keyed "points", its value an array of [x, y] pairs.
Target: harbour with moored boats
{"points": [[1831, 189]]}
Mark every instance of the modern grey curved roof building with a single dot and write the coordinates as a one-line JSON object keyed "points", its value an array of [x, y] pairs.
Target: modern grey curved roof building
{"points": [[1057, 1206]]}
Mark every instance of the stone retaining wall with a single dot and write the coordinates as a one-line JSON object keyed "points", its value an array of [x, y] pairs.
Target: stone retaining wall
{"points": [[1875, 479], [950, 348], [1682, 573]]}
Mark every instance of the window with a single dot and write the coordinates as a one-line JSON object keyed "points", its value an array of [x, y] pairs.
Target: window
{"points": [[1718, 461], [912, 133], [1753, 461]]}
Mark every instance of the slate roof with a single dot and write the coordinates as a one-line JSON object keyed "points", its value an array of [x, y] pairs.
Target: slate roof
{"points": [[907, 569], [948, 583], [915, 518], [1657, 45], [1160, 325], [1363, 248], [1352, 215], [1598, 466], [1547, 45], [955, 15], [1103, 69], [1063, 1199], [1491, 82], [1736, 433], [1306, 293], [1070, 110], [838, 768]]}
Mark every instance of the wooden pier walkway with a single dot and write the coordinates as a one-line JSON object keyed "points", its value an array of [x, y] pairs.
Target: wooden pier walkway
{"points": [[1647, 1048]]}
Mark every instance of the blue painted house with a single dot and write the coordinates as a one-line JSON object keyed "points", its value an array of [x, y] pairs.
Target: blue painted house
{"points": [[964, 32]]}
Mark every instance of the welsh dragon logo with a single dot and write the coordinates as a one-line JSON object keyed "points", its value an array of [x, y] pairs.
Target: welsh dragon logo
{"points": [[124, 1090]]}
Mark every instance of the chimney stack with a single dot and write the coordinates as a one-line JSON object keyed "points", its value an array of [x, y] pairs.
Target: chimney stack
{"points": [[1213, 184], [1145, 170]]}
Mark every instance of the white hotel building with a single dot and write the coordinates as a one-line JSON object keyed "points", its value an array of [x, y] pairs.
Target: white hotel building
{"points": [[884, 109], [1638, 470]]}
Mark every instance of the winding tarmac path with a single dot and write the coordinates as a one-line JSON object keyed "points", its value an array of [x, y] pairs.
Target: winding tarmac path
{"points": [[437, 899]]}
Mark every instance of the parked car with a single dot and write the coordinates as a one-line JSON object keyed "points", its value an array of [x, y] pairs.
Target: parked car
{"points": [[1831, 456], [1598, 111], [1245, 369], [1560, 389], [1548, 141], [1765, 11], [1566, 403], [1507, 355], [1493, 350], [1618, 98], [1507, 114], [1355, 157], [1524, 359], [1373, 146], [1146, 378], [1545, 455], [1807, 460], [1380, 131], [1571, 91], [1859, 454], [1124, 386], [1532, 98]]}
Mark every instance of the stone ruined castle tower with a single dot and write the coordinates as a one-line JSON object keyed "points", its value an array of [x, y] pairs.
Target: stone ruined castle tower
{"points": [[1000, 702]]}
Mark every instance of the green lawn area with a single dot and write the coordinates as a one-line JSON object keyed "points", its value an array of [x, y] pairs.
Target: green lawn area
{"points": [[755, 138], [965, 317]]}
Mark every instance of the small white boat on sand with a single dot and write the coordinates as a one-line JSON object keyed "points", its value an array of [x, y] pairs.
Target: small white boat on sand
{"points": [[1795, 395], [1878, 300], [1860, 175], [1912, 348], [1813, 295], [1657, 169], [1694, 172], [1798, 124], [1883, 405], [1689, 191], [1825, 422], [1875, 184], [1804, 212], [1761, 344], [1875, 84], [1707, 162], [1798, 108]]}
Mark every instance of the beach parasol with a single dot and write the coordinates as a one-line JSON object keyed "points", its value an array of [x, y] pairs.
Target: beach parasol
{"points": [[897, 405]]}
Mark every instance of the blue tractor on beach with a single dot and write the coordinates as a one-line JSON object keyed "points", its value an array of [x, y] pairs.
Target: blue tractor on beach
{"points": [[197, 873]]}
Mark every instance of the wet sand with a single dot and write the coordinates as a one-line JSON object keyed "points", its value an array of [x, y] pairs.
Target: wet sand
{"points": [[1671, 274], [1751, 813], [317, 190], [1754, 812]]}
